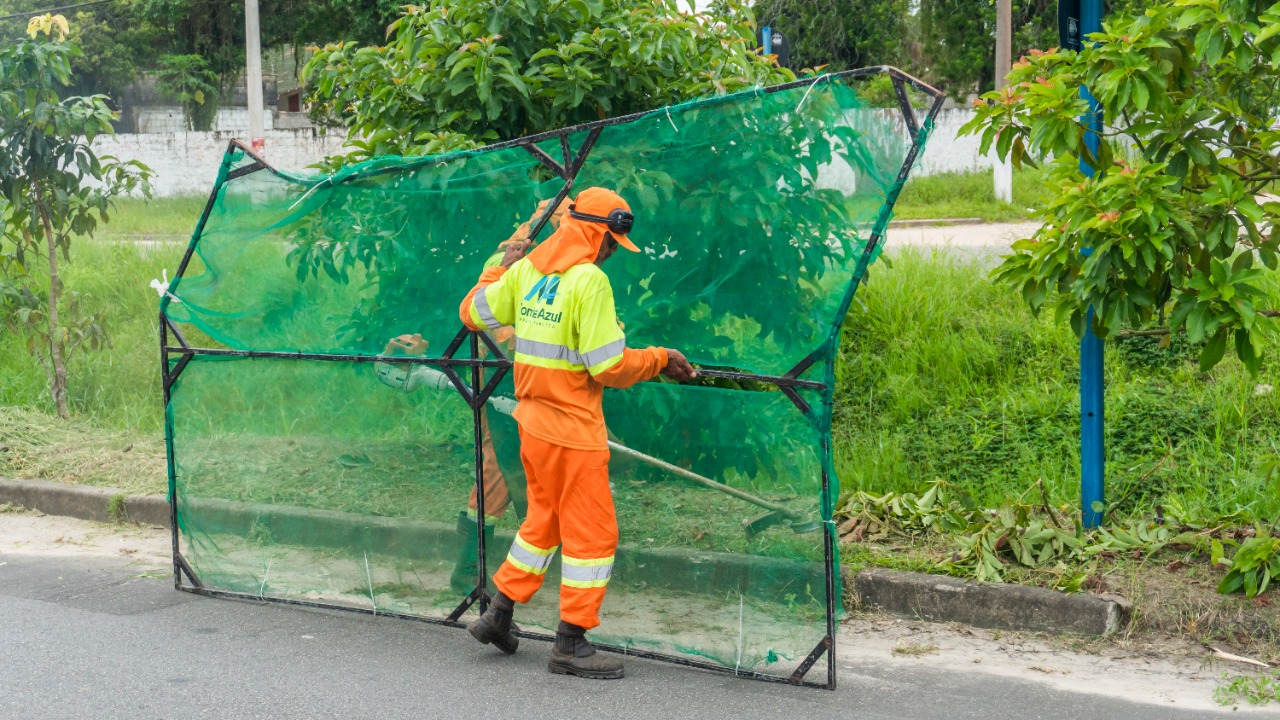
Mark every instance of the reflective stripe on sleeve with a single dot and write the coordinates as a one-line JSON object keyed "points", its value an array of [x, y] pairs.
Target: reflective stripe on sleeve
{"points": [[580, 573], [481, 301], [547, 351], [605, 353], [529, 557]]}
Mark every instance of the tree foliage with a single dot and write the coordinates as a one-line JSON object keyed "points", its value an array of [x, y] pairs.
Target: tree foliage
{"points": [[462, 74], [188, 79], [1173, 224], [117, 44], [958, 40], [214, 29], [841, 34], [53, 187], [471, 72]]}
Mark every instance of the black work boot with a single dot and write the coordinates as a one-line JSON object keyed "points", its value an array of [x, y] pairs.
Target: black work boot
{"points": [[465, 569], [494, 626], [574, 655]]}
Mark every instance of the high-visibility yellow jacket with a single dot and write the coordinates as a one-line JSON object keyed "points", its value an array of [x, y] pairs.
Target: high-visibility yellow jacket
{"points": [[568, 347]]}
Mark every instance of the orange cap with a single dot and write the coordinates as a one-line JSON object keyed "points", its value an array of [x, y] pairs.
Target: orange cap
{"points": [[600, 202]]}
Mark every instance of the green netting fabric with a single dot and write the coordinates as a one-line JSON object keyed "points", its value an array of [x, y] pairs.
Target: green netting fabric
{"points": [[310, 479]]}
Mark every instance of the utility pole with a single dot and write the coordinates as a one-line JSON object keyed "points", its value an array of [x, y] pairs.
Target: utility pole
{"points": [[1003, 171], [253, 74], [1092, 401], [1077, 19]]}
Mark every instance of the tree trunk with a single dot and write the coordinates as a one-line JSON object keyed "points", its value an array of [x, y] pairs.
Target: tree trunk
{"points": [[58, 386]]}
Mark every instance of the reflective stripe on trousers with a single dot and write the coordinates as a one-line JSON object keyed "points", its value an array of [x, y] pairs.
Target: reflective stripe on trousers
{"points": [[582, 573], [529, 557]]}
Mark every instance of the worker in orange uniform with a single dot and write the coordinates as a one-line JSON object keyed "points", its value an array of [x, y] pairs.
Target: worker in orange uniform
{"points": [[569, 347]]}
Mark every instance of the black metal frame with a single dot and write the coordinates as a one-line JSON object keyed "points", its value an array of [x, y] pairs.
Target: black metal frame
{"points": [[477, 392]]}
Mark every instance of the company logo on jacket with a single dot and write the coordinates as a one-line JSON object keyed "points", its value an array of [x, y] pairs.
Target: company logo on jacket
{"points": [[545, 290]]}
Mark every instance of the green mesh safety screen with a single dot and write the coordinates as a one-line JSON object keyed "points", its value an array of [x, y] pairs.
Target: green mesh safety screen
{"points": [[298, 474]]}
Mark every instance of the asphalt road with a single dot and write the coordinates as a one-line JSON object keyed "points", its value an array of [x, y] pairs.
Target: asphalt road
{"points": [[91, 638]]}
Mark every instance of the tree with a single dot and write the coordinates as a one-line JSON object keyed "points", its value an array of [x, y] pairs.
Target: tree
{"points": [[214, 29], [52, 189], [1173, 221], [841, 34], [462, 74], [957, 40], [470, 72], [188, 79], [117, 44]]}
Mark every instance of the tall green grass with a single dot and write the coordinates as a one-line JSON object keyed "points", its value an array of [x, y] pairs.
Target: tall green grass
{"points": [[117, 387], [946, 375], [136, 218]]}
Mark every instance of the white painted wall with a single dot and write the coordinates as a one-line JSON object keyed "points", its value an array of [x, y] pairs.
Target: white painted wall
{"points": [[946, 152], [169, 119], [186, 163]]}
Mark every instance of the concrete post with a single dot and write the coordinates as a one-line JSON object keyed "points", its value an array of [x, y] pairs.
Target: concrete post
{"points": [[1003, 171], [253, 74]]}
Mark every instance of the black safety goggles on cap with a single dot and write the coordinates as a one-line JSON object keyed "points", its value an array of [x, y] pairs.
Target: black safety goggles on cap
{"points": [[618, 221]]}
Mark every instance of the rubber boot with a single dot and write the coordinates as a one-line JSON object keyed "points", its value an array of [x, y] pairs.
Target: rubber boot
{"points": [[574, 655], [463, 578], [494, 626]]}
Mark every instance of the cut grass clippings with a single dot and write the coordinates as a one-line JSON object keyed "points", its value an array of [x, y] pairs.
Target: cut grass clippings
{"points": [[38, 446], [911, 649], [1174, 592]]}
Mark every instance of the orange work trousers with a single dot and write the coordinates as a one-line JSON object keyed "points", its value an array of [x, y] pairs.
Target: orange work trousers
{"points": [[569, 502]]}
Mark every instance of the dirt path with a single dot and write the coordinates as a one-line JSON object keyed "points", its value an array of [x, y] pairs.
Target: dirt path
{"points": [[1173, 674], [34, 533]]}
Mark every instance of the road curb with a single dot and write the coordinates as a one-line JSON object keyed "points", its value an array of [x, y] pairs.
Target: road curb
{"points": [[904, 594], [86, 503], [997, 606], [766, 578]]}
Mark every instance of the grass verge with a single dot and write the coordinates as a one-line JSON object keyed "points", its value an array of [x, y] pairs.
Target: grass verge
{"points": [[969, 195], [945, 375]]}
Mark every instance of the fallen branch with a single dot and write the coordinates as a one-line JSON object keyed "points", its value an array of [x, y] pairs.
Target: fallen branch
{"points": [[1048, 509], [1218, 652]]}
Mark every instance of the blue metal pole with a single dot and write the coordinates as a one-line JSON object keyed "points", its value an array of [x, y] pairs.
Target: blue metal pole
{"points": [[1092, 402], [766, 34]]}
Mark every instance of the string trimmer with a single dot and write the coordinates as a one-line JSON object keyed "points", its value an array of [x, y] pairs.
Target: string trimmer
{"points": [[408, 380]]}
